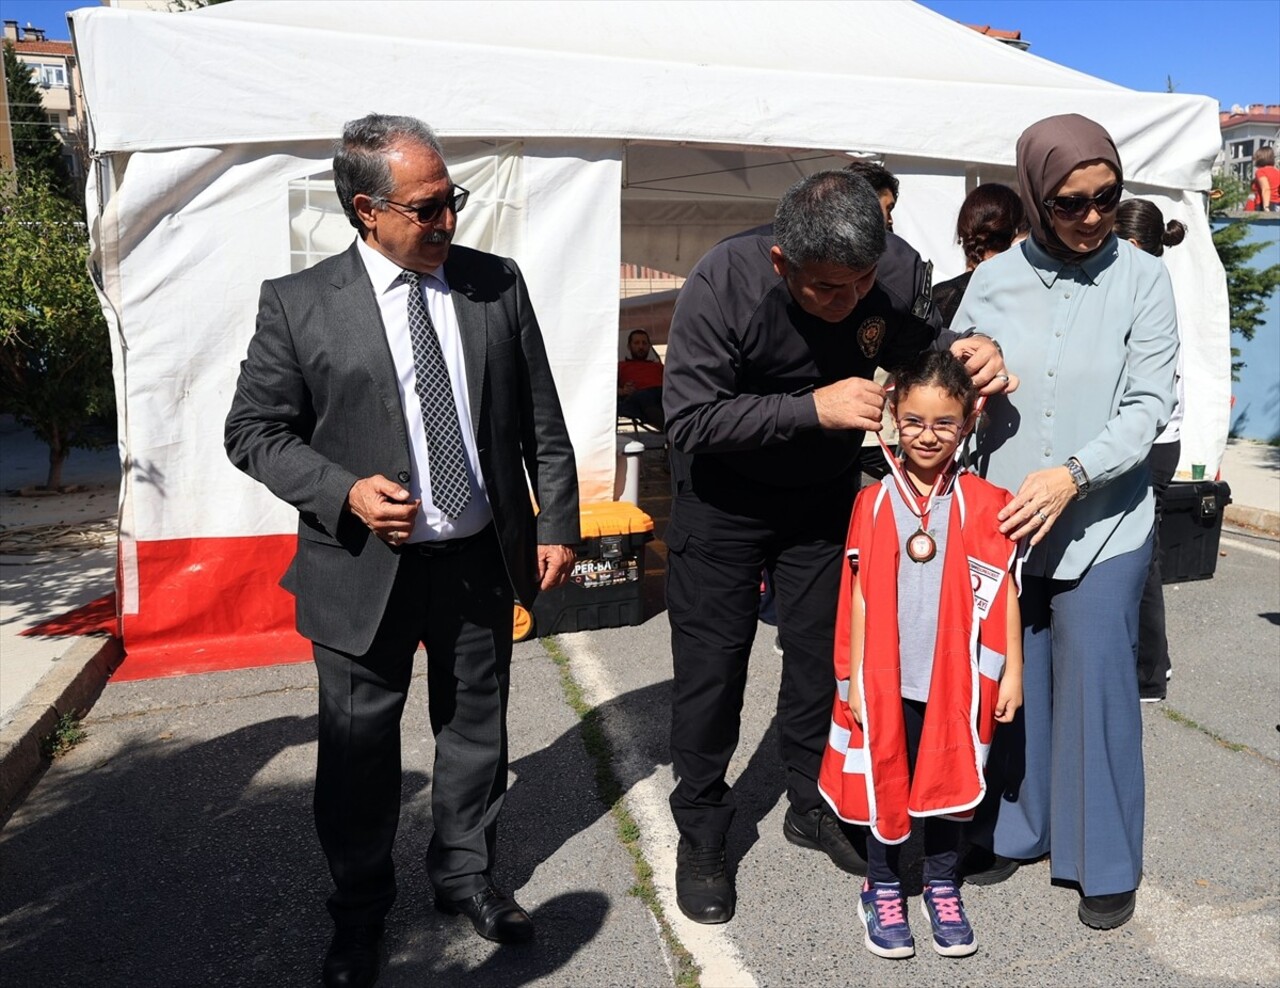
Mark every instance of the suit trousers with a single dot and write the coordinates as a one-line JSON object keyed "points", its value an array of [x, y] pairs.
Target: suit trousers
{"points": [[718, 541], [459, 605], [1153, 643], [1066, 777]]}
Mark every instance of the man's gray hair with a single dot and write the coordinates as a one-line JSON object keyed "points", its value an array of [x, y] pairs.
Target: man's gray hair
{"points": [[831, 217], [360, 158]]}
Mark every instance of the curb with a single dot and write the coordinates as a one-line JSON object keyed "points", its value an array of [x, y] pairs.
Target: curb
{"points": [[73, 684], [1259, 519]]}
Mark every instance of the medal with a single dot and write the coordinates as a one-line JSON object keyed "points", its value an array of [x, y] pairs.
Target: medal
{"points": [[921, 547]]}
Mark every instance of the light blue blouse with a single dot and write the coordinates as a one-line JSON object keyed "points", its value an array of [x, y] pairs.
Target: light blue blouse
{"points": [[1095, 346]]}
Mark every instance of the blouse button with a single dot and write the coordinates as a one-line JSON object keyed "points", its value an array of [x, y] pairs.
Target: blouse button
{"points": [[1066, 294], [1051, 372]]}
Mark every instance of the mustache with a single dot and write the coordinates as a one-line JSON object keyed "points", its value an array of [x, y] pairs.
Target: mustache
{"points": [[437, 237]]}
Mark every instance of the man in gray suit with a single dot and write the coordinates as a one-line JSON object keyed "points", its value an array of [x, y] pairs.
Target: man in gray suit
{"points": [[397, 395]]}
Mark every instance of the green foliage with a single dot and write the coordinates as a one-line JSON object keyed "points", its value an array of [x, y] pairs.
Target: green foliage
{"points": [[1248, 287], [36, 148], [66, 734], [55, 356]]}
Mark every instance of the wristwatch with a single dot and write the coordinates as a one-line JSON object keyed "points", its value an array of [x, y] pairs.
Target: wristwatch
{"points": [[1078, 477]]}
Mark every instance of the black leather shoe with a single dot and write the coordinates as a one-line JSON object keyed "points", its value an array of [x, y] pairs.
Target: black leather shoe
{"points": [[1106, 912], [818, 830], [983, 867], [353, 957], [495, 915], [703, 890]]}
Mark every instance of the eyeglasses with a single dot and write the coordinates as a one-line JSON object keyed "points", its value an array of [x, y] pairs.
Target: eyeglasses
{"points": [[429, 211], [945, 429], [1075, 207]]}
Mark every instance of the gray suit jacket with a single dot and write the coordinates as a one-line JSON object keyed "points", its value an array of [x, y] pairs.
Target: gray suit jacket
{"points": [[317, 408]]}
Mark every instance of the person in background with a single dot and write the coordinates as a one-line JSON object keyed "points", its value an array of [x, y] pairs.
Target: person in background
{"points": [[1141, 223], [901, 272], [991, 220], [1266, 180], [1090, 322], [640, 381]]}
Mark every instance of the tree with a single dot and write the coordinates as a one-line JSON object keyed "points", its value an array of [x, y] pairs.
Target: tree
{"points": [[36, 148], [55, 356], [1248, 288]]}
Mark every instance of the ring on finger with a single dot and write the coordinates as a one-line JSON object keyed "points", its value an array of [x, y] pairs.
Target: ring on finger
{"points": [[1003, 377], [1042, 516]]}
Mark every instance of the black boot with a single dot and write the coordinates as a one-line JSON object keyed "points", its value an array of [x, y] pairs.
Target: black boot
{"points": [[703, 890]]}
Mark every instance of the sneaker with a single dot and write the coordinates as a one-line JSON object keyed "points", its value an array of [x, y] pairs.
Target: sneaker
{"points": [[777, 645], [703, 890], [952, 934], [884, 914]]}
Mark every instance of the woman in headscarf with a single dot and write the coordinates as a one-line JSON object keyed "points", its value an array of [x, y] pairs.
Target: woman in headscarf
{"points": [[1089, 322]]}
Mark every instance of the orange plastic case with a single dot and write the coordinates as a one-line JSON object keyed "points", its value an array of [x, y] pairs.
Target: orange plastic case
{"points": [[606, 587]]}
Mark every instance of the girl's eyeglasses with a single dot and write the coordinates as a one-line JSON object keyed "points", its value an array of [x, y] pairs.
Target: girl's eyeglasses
{"points": [[947, 430]]}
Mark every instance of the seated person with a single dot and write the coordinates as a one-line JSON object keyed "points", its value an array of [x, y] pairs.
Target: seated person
{"points": [[640, 381]]}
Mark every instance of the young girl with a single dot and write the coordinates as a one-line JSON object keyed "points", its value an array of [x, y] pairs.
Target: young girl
{"points": [[928, 657]]}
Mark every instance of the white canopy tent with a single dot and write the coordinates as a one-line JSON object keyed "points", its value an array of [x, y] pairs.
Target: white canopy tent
{"points": [[589, 134]]}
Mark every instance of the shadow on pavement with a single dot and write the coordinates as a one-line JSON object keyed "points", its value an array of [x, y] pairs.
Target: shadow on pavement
{"points": [[143, 860]]}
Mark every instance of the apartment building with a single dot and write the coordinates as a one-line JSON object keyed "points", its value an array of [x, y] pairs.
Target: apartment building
{"points": [[1244, 130], [54, 71]]}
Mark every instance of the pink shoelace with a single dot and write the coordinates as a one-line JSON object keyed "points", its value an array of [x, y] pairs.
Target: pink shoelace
{"points": [[946, 906], [889, 909]]}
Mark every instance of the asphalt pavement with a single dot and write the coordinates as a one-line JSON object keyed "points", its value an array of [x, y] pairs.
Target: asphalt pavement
{"points": [[174, 845]]}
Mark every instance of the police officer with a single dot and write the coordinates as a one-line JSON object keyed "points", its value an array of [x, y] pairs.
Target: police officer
{"points": [[767, 393]]}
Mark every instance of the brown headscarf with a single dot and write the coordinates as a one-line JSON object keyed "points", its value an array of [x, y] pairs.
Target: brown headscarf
{"points": [[1049, 151]]}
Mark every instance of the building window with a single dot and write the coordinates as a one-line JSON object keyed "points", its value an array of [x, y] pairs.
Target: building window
{"points": [[49, 76]]}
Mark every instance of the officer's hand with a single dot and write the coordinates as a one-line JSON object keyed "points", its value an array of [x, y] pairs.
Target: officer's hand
{"points": [[384, 507], [854, 403], [985, 364], [555, 563]]}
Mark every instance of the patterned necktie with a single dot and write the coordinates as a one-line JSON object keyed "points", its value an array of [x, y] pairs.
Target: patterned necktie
{"points": [[447, 459]]}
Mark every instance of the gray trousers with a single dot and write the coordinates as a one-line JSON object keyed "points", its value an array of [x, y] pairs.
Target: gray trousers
{"points": [[1066, 777], [459, 606]]}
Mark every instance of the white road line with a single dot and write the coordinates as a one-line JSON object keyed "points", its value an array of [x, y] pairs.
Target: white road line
{"points": [[646, 799], [1257, 550]]}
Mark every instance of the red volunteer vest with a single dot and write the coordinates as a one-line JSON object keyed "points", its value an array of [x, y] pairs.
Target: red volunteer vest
{"points": [[864, 773]]}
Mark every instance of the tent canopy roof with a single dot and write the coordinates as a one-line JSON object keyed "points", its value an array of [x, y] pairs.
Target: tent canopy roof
{"points": [[882, 76]]}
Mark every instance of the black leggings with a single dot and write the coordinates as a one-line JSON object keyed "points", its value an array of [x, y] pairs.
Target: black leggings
{"points": [[941, 836]]}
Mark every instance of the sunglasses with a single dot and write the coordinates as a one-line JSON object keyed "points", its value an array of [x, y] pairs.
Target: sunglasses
{"points": [[429, 211], [1076, 207]]}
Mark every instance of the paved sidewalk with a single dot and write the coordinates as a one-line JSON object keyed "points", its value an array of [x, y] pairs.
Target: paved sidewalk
{"points": [[174, 845]]}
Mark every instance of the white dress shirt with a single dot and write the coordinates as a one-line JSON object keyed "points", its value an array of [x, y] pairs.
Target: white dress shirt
{"points": [[393, 302]]}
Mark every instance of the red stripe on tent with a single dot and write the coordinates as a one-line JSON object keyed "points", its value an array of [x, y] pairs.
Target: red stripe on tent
{"points": [[207, 605], [96, 616]]}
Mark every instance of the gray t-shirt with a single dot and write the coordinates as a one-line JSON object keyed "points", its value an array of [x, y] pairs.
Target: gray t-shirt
{"points": [[919, 590]]}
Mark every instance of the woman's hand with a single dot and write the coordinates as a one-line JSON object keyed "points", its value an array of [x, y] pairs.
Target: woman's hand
{"points": [[1036, 506]]}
